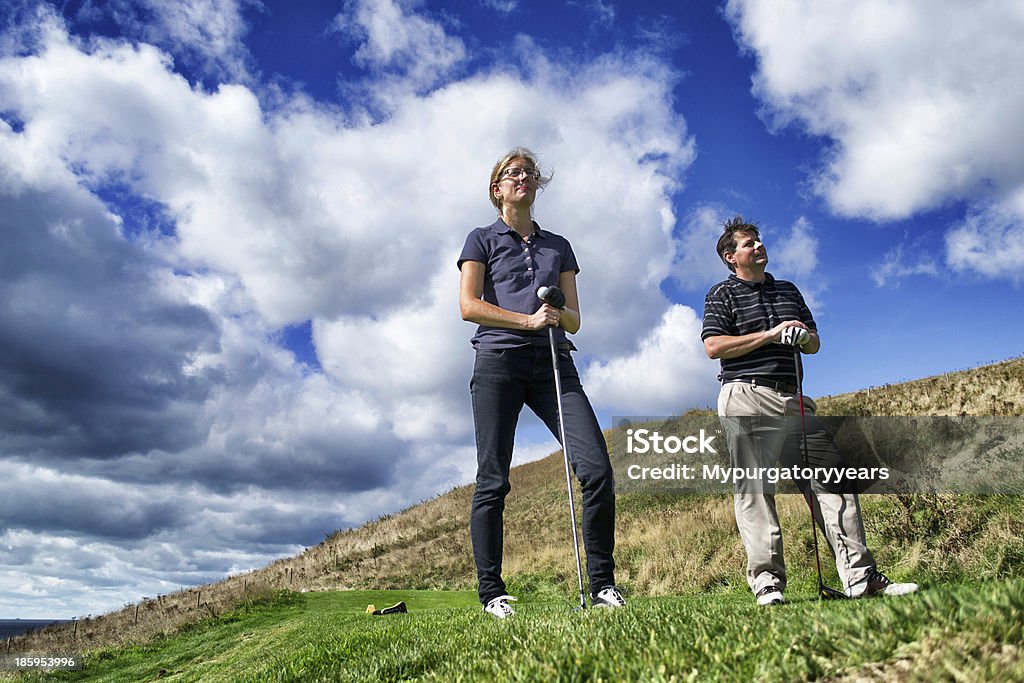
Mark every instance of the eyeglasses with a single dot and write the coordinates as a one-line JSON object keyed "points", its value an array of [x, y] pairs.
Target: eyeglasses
{"points": [[516, 172]]}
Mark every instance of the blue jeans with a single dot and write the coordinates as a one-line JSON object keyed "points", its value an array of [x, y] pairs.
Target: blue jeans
{"points": [[503, 382]]}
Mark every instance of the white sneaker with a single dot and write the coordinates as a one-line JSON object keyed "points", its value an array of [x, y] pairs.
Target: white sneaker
{"points": [[499, 607], [770, 595], [609, 596], [878, 583]]}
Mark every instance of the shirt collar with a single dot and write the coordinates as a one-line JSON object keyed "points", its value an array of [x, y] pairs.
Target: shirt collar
{"points": [[768, 281], [502, 228]]}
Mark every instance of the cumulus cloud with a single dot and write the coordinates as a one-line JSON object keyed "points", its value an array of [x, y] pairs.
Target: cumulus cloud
{"points": [[698, 265], [797, 253], [88, 505], [990, 241], [205, 35], [160, 539], [667, 374], [403, 50], [793, 255], [919, 100], [162, 233], [97, 352]]}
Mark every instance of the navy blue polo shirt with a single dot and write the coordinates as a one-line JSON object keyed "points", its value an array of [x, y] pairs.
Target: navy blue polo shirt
{"points": [[736, 307], [515, 270]]}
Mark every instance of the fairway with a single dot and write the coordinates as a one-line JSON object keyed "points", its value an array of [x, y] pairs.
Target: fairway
{"points": [[946, 631]]}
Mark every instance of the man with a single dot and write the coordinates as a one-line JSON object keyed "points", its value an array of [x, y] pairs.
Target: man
{"points": [[754, 324]]}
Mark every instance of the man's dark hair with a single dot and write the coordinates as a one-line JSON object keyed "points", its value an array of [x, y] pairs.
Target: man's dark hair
{"points": [[727, 242]]}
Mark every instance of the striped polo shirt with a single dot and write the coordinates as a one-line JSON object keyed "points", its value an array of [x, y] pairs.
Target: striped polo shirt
{"points": [[736, 307]]}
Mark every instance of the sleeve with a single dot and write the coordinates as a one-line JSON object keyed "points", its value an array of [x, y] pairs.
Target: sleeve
{"points": [[569, 259], [475, 248], [718, 318]]}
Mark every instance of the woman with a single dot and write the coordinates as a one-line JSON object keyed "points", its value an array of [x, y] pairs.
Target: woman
{"points": [[502, 267]]}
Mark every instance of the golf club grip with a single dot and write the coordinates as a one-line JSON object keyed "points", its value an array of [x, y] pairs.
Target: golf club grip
{"points": [[552, 296]]}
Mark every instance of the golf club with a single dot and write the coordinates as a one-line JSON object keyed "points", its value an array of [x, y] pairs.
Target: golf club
{"points": [[553, 296], [824, 592]]}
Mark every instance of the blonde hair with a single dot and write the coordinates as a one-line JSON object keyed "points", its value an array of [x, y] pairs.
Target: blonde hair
{"points": [[503, 163]]}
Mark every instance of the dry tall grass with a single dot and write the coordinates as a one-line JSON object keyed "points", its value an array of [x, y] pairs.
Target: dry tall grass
{"points": [[996, 389], [666, 544]]}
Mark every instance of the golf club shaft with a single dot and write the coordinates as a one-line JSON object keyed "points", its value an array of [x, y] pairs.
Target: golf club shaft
{"points": [[565, 452], [810, 487]]}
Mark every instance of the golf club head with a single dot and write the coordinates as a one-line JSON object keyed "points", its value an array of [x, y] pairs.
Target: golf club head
{"points": [[826, 593], [552, 296], [577, 608]]}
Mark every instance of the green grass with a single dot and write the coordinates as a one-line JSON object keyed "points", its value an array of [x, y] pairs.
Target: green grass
{"points": [[961, 631]]}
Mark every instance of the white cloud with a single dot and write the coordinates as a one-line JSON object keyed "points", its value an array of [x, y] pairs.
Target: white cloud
{"points": [[210, 32], [666, 374], [990, 241], [897, 265], [698, 265], [797, 253], [604, 12], [417, 358], [136, 539], [206, 37], [921, 99], [503, 6], [794, 257], [410, 50]]}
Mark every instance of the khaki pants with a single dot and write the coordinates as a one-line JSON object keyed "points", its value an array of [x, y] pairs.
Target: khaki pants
{"points": [[754, 443]]}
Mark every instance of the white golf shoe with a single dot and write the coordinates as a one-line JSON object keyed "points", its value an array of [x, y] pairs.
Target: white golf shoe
{"points": [[877, 583], [498, 607], [609, 596], [770, 595]]}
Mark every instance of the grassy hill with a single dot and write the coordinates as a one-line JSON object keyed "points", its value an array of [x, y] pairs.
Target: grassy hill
{"points": [[996, 389], [668, 545]]}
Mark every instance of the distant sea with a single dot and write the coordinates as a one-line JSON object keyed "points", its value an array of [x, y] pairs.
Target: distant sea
{"points": [[15, 627]]}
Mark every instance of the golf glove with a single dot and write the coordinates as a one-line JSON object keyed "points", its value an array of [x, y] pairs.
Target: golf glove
{"points": [[795, 336]]}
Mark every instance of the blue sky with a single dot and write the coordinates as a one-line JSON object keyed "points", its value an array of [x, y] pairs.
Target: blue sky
{"points": [[229, 299]]}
